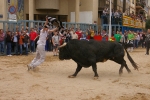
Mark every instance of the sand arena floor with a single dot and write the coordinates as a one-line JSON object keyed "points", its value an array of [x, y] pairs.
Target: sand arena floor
{"points": [[50, 80]]}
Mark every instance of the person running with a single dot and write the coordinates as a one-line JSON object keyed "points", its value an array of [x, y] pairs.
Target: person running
{"points": [[40, 52]]}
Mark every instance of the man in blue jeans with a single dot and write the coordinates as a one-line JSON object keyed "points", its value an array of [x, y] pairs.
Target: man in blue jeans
{"points": [[2, 38], [32, 35]]}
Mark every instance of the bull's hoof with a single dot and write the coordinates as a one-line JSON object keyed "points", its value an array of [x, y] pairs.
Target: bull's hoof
{"points": [[96, 77], [130, 72], [71, 76], [120, 74]]}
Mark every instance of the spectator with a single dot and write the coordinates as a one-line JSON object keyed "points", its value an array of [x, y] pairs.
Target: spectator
{"points": [[130, 41], [92, 34], [74, 35], [79, 33], [68, 36], [8, 43], [147, 40], [112, 17], [26, 42], [137, 39], [21, 39], [55, 41], [83, 37], [104, 35], [33, 36], [143, 39], [117, 36], [122, 40], [15, 40], [2, 38], [116, 15], [104, 16]]}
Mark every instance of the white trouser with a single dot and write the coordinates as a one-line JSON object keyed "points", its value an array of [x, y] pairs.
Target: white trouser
{"points": [[40, 56]]}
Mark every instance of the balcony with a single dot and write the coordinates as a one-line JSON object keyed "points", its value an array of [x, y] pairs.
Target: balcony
{"points": [[140, 4]]}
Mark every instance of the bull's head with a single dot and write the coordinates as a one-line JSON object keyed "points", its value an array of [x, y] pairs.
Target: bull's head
{"points": [[64, 52]]}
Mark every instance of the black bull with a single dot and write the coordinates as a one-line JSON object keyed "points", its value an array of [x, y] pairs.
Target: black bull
{"points": [[88, 53]]}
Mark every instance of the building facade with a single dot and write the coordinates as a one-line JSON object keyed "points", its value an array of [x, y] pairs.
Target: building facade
{"points": [[83, 11]]}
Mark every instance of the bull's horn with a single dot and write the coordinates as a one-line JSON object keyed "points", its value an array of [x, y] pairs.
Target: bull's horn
{"points": [[62, 45]]}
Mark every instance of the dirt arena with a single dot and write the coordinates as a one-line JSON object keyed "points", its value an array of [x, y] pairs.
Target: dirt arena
{"points": [[50, 80]]}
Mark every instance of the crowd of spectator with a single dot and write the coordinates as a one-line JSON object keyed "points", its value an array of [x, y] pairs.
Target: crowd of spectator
{"points": [[117, 16], [24, 42]]}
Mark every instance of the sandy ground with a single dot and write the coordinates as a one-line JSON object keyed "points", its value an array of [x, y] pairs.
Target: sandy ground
{"points": [[50, 80]]}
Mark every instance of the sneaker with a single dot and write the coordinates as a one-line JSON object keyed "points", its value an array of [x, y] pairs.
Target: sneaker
{"points": [[29, 67], [10, 55]]}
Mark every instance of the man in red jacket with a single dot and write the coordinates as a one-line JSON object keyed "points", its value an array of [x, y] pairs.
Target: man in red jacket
{"points": [[79, 33], [32, 35]]}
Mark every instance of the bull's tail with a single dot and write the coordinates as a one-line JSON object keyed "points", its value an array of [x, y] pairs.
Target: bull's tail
{"points": [[131, 60]]}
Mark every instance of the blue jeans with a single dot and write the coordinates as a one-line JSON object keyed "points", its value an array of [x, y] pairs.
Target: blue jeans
{"points": [[16, 47], [8, 48], [26, 48], [32, 46], [136, 42], [20, 45], [112, 20], [47, 46], [2, 46], [103, 39]]}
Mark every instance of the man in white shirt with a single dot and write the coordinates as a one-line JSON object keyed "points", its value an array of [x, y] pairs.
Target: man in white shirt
{"points": [[40, 52], [55, 41]]}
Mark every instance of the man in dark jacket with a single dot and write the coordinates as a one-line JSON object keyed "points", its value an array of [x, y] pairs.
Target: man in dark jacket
{"points": [[147, 40], [26, 42]]}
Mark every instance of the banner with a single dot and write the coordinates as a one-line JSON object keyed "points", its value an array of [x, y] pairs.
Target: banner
{"points": [[129, 22]]}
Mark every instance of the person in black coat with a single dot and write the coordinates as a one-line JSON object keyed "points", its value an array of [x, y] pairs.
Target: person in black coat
{"points": [[8, 43], [147, 41]]}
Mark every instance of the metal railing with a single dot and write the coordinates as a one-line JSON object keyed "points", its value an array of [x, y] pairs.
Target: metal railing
{"points": [[18, 25]]}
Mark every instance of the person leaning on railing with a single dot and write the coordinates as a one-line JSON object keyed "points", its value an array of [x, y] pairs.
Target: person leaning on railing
{"points": [[104, 16], [116, 15], [2, 38], [8, 43]]}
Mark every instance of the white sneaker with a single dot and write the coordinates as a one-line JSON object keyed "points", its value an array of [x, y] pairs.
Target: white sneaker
{"points": [[29, 67]]}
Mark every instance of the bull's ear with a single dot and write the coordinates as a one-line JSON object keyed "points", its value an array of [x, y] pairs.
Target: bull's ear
{"points": [[64, 44]]}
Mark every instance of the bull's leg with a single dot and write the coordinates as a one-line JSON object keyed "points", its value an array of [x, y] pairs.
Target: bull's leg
{"points": [[94, 67], [121, 70], [122, 65], [120, 60], [129, 71], [76, 72]]}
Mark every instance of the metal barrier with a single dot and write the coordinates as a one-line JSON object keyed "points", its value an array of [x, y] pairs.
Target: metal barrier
{"points": [[18, 25]]}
